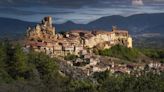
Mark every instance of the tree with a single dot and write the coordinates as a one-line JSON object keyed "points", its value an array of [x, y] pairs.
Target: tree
{"points": [[70, 57], [81, 86], [120, 51], [4, 76], [18, 63]]}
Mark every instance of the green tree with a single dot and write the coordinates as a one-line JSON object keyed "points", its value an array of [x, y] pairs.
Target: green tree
{"points": [[18, 63], [4, 76], [120, 51], [81, 86], [70, 57]]}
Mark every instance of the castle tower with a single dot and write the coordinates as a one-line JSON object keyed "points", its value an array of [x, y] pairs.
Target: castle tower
{"points": [[53, 31], [130, 42], [47, 23], [38, 30]]}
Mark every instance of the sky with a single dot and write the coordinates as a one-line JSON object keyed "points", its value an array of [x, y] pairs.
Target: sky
{"points": [[78, 11]]}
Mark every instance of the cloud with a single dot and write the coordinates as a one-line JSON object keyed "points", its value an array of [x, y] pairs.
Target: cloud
{"points": [[33, 11], [71, 3], [79, 11], [62, 3]]}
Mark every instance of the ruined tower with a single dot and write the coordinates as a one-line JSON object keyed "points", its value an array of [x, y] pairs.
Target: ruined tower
{"points": [[48, 26], [43, 30]]}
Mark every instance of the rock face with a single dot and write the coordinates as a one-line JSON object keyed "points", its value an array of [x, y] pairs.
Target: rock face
{"points": [[44, 30]]}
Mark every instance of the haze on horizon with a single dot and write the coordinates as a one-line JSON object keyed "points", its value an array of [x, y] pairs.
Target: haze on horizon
{"points": [[79, 11]]}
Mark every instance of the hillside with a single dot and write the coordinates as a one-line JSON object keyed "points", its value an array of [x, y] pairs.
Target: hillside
{"points": [[37, 72]]}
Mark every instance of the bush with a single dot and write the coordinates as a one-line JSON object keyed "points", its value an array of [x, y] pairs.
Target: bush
{"points": [[70, 57], [125, 83], [120, 51], [154, 53], [81, 86]]}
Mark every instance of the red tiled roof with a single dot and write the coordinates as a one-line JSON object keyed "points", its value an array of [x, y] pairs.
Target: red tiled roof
{"points": [[37, 44]]}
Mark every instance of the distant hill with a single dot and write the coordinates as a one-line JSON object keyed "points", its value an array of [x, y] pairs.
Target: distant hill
{"points": [[136, 24], [13, 28]]}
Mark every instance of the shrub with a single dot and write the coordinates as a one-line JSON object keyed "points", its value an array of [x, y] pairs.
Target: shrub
{"points": [[120, 51], [70, 57]]}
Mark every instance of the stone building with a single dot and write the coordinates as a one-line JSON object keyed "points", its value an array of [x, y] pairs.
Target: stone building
{"points": [[42, 31], [43, 38]]}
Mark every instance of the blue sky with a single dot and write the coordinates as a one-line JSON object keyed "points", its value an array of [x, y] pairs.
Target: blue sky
{"points": [[79, 11]]}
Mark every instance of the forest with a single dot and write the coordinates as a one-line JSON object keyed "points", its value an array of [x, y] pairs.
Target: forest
{"points": [[22, 71]]}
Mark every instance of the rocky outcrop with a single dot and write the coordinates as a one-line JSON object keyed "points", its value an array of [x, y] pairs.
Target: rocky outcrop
{"points": [[44, 30]]}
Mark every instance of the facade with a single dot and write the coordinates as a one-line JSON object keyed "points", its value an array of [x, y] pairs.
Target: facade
{"points": [[43, 38]]}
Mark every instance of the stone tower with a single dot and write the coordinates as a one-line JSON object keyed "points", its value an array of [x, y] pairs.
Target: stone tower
{"points": [[43, 30], [38, 30], [48, 26], [130, 42], [47, 21]]}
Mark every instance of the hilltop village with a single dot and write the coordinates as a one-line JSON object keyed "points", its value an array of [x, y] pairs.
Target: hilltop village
{"points": [[43, 38]]}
